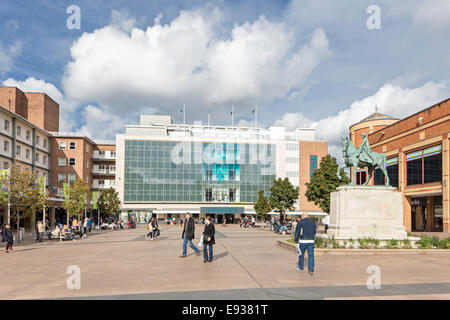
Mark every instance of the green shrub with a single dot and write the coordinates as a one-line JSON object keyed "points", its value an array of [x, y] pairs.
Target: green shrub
{"points": [[424, 243], [333, 243], [351, 243], [319, 242], [435, 242], [392, 244], [444, 243], [406, 243], [363, 243]]}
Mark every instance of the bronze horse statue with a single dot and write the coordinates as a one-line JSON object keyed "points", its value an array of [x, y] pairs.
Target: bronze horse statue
{"points": [[371, 161]]}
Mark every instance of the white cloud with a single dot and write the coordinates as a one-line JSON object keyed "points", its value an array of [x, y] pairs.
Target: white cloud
{"points": [[8, 56], [100, 124], [190, 61], [392, 100], [433, 15], [66, 107]]}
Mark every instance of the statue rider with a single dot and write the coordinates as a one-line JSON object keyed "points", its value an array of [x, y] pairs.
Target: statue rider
{"points": [[365, 147]]}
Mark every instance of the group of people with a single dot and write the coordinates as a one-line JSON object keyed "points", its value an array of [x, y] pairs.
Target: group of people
{"points": [[153, 229], [208, 238], [245, 222]]}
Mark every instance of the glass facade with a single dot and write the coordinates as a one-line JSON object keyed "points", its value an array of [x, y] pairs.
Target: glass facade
{"points": [[312, 165], [166, 171], [392, 170], [424, 166]]}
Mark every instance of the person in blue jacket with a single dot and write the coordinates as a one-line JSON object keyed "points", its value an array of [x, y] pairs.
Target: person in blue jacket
{"points": [[304, 235]]}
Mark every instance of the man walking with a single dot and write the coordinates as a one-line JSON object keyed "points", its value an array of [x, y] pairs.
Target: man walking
{"points": [[305, 233], [41, 230], [188, 235], [326, 222]]}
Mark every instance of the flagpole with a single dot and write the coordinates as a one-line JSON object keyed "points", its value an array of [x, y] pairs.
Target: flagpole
{"points": [[184, 113], [209, 117], [256, 116], [232, 116]]}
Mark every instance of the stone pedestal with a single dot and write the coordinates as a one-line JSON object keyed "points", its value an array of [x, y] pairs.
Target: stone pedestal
{"points": [[366, 212]]}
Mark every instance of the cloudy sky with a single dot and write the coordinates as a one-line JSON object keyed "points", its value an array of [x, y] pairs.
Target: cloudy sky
{"points": [[302, 62]]}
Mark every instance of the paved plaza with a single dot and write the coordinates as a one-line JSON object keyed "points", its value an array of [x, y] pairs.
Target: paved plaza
{"points": [[248, 264]]}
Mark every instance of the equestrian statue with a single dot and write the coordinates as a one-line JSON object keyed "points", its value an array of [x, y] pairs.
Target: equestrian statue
{"points": [[362, 157]]}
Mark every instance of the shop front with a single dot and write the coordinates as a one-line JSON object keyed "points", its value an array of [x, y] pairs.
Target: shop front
{"points": [[427, 214]]}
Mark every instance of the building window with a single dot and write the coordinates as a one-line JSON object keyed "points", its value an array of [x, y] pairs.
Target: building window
{"points": [[72, 145], [113, 154], [291, 146], [71, 161], [61, 192], [312, 164], [61, 177], [87, 148], [6, 146], [87, 164], [27, 135], [5, 165], [392, 171], [112, 168], [27, 154], [19, 131], [18, 151], [45, 143], [61, 161], [6, 125], [62, 145], [424, 166], [292, 174], [101, 183], [101, 153], [101, 168], [37, 157], [71, 177], [37, 140], [44, 159], [87, 179]]}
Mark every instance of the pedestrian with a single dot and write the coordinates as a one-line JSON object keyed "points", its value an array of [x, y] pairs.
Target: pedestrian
{"points": [[253, 222], [188, 235], [89, 223], [155, 228], [245, 221], [9, 239], [41, 230], [85, 225], [224, 222], [326, 222], [208, 240], [294, 225], [150, 230], [272, 221], [304, 235]]}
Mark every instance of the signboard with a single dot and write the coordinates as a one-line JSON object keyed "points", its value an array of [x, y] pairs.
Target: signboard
{"points": [[94, 199], [222, 210]]}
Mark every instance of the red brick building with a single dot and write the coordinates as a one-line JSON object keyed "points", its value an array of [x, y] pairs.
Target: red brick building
{"points": [[417, 150]]}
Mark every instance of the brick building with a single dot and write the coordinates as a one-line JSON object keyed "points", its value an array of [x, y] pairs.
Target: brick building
{"points": [[418, 159]]}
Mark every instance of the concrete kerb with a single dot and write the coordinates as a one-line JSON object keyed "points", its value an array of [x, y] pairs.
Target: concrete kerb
{"points": [[323, 251]]}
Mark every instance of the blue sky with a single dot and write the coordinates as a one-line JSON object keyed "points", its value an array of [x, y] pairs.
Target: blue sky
{"points": [[302, 62]]}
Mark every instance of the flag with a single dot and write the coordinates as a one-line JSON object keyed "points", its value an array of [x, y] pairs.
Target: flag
{"points": [[4, 183], [66, 190], [41, 182], [181, 108], [254, 110], [94, 199]]}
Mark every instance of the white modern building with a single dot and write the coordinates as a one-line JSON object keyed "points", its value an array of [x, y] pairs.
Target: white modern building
{"points": [[169, 169]]}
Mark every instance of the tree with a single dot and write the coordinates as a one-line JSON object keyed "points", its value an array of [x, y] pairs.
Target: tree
{"points": [[261, 206], [23, 193], [324, 181], [283, 196], [109, 202], [77, 199]]}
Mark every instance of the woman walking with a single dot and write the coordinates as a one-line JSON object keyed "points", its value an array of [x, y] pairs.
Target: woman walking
{"points": [[9, 239], [208, 240], [150, 230], [155, 228]]}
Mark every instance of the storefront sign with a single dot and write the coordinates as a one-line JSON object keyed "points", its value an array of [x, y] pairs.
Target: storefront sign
{"points": [[222, 210]]}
